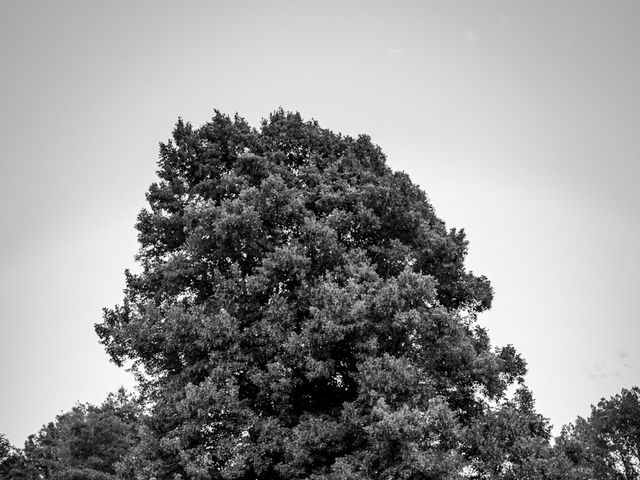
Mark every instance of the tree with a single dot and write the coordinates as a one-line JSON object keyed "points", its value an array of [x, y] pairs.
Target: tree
{"points": [[8, 456], [13, 465], [301, 312], [512, 442], [607, 444], [6, 449], [87, 442]]}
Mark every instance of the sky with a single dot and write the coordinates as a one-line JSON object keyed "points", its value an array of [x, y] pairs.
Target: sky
{"points": [[520, 120]]}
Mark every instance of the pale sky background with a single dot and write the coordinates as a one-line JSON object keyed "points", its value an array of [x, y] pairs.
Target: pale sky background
{"points": [[521, 120]]}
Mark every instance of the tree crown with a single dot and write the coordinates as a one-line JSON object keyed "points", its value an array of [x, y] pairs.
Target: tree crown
{"points": [[297, 295]]}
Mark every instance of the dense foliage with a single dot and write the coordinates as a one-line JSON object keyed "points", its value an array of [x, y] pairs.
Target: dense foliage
{"points": [[12, 462], [302, 313], [85, 443], [606, 445]]}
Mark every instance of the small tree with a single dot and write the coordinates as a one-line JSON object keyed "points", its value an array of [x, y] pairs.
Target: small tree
{"points": [[13, 464], [6, 449], [8, 456], [607, 444], [301, 313], [511, 442], [87, 442]]}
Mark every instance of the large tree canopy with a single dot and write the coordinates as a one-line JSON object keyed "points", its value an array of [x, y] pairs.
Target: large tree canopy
{"points": [[301, 312]]}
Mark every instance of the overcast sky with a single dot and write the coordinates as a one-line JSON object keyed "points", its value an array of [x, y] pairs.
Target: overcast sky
{"points": [[521, 121]]}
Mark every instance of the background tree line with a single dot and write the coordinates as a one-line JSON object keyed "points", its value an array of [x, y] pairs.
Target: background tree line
{"points": [[97, 442], [303, 313]]}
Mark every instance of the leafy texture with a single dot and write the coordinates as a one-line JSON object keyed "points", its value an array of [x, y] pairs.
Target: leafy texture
{"points": [[607, 444], [301, 312], [85, 443]]}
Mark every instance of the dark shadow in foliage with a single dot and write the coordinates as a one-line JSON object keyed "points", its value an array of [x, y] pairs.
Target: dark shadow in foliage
{"points": [[82, 474]]}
